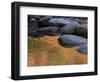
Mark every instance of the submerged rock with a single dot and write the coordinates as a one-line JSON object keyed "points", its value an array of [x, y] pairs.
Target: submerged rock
{"points": [[83, 49], [69, 41]]}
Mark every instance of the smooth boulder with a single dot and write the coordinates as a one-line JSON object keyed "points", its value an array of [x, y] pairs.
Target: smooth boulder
{"points": [[69, 41], [43, 21], [81, 31], [49, 30], [36, 34], [68, 29], [83, 49], [60, 22], [32, 25], [37, 17]]}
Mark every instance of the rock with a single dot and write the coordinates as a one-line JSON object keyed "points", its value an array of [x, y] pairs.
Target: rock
{"points": [[76, 19], [83, 49], [43, 22], [73, 20], [68, 29], [32, 22], [49, 30], [37, 17], [69, 41], [32, 25], [60, 22], [81, 31], [36, 34]]}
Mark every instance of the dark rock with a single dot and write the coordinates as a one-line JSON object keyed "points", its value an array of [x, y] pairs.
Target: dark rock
{"points": [[37, 17], [69, 41], [36, 34], [83, 49], [32, 25], [55, 24], [77, 20], [43, 22], [68, 29], [81, 31], [32, 22], [74, 20], [49, 30], [60, 22]]}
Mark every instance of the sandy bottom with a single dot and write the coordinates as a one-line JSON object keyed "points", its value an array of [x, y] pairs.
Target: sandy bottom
{"points": [[41, 58]]}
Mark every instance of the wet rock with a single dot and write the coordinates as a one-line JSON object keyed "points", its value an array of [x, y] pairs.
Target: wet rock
{"points": [[83, 49], [69, 41], [81, 31], [68, 29], [60, 22], [32, 25], [32, 22], [36, 34], [37, 17], [49, 30], [43, 22], [74, 21]]}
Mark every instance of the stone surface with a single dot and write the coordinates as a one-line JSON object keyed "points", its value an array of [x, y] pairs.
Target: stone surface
{"points": [[60, 22], [49, 30], [68, 29], [37, 17], [69, 41], [81, 31], [32, 25], [36, 34], [83, 49], [43, 22]]}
